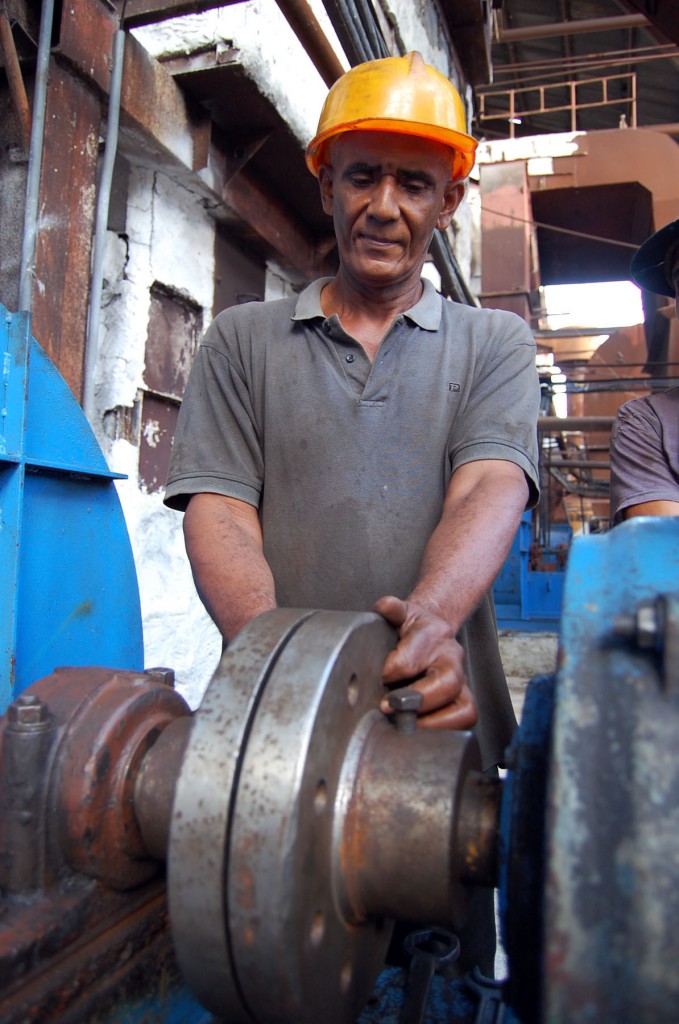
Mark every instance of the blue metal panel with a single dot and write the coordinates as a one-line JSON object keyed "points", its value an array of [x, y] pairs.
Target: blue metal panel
{"points": [[610, 574], [69, 594], [525, 598]]}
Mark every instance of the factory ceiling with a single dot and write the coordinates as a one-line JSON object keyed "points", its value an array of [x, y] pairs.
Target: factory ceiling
{"points": [[563, 65]]}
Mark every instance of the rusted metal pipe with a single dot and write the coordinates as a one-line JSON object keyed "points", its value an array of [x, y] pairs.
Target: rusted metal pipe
{"points": [[155, 785], [572, 28], [411, 841], [14, 76], [304, 24]]}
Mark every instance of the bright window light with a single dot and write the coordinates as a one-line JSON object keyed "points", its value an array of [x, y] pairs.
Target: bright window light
{"points": [[605, 304]]}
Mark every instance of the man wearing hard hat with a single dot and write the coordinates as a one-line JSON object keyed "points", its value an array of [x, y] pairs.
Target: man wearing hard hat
{"points": [[645, 438], [368, 444]]}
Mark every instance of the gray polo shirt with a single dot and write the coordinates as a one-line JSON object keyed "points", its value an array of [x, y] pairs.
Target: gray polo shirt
{"points": [[347, 461], [645, 452]]}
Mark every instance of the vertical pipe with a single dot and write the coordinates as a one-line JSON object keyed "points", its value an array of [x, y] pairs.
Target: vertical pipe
{"points": [[35, 159], [101, 223]]}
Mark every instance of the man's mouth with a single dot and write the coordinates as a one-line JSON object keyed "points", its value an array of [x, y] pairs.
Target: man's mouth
{"points": [[378, 240]]}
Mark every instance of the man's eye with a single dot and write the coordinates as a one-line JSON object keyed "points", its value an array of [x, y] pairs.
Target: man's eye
{"points": [[361, 180], [415, 188]]}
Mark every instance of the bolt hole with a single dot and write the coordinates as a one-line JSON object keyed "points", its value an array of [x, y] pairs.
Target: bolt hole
{"points": [[352, 690], [346, 975], [320, 797], [317, 928]]}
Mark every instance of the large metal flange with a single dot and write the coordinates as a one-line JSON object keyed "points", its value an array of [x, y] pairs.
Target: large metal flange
{"points": [[203, 808], [258, 924], [297, 956]]}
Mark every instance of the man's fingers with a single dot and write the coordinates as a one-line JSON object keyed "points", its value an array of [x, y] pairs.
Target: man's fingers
{"points": [[462, 715], [429, 658], [393, 609]]}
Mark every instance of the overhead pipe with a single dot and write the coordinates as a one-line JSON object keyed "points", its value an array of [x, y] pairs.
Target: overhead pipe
{"points": [[350, 31], [30, 234], [572, 28], [306, 27]]}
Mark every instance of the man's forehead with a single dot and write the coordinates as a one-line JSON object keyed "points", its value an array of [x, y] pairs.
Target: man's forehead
{"points": [[408, 152]]}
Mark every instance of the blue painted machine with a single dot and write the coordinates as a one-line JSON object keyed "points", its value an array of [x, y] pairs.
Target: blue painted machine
{"points": [[69, 593], [528, 592], [248, 862]]}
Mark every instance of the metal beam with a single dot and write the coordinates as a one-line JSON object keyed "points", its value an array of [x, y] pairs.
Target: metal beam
{"points": [[147, 12], [571, 28], [662, 14]]}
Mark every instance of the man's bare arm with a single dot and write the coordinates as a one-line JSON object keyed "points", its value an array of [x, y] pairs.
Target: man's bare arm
{"points": [[661, 507], [224, 544], [481, 513]]}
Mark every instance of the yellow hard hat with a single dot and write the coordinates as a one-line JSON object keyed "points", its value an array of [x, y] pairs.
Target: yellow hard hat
{"points": [[396, 94]]}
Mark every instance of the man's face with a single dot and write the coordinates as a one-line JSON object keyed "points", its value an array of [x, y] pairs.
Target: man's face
{"points": [[387, 193]]}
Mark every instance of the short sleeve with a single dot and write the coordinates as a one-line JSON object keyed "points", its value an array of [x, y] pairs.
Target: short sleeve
{"points": [[641, 466], [502, 407], [217, 444]]}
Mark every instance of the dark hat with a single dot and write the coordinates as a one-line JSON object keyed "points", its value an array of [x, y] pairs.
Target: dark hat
{"points": [[647, 268]]}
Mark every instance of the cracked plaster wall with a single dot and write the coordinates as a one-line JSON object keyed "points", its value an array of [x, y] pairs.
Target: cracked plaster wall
{"points": [[169, 239]]}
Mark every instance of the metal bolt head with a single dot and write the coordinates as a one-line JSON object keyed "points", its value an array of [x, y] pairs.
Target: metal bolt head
{"points": [[161, 675], [405, 699], [27, 711], [405, 703], [645, 626]]}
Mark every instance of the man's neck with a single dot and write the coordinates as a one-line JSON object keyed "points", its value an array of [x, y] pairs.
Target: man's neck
{"points": [[367, 313]]}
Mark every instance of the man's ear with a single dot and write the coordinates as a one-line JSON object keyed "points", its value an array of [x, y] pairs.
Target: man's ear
{"points": [[325, 181], [452, 197]]}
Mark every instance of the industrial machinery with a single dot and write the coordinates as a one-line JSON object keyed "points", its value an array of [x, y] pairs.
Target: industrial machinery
{"points": [[247, 862]]}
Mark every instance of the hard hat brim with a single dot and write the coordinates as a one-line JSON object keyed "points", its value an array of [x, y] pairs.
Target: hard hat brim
{"points": [[464, 146]]}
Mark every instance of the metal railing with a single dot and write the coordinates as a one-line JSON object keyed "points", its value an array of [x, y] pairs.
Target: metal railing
{"points": [[549, 100]]}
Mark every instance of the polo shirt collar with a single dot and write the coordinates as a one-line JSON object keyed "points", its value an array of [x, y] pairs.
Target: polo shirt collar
{"points": [[426, 313]]}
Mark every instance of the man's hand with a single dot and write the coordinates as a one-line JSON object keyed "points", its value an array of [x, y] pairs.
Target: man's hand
{"points": [[429, 657]]}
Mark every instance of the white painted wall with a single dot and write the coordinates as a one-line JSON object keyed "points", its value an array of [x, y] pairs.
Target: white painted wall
{"points": [[170, 240], [165, 222]]}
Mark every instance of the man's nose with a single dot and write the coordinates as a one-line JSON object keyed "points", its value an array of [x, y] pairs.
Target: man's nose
{"points": [[384, 198]]}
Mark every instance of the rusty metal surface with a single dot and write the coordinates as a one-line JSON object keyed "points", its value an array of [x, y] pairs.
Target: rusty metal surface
{"points": [[74, 775], [155, 785], [14, 76], [198, 862], [509, 250], [174, 330], [158, 424], [292, 942], [66, 212], [406, 841], [272, 222], [100, 753], [81, 953], [612, 902], [304, 24], [305, 822]]}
